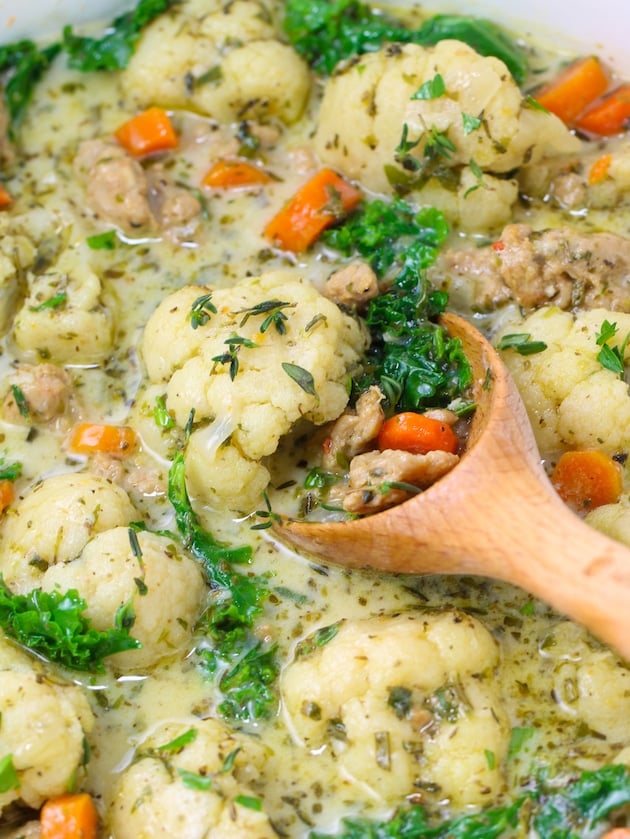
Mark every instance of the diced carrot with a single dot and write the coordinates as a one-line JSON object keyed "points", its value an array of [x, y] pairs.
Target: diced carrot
{"points": [[609, 115], [587, 479], [417, 433], [148, 132], [91, 437], [71, 816], [5, 199], [498, 246], [574, 89], [314, 207], [7, 494], [235, 174], [617, 833], [599, 169]]}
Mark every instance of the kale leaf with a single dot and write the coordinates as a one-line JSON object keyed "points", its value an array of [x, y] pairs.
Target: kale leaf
{"points": [[326, 31], [245, 668], [115, 48], [22, 65], [568, 813], [53, 625], [411, 358]]}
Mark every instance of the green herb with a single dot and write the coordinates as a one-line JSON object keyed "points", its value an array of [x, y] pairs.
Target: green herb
{"points": [[20, 401], [470, 123], [326, 31], [161, 414], [135, 544], [431, 89], [478, 173], [490, 759], [400, 700], [115, 48], [234, 345], [193, 780], [535, 105], [249, 801], [273, 310], [437, 143], [611, 358], [382, 750], [8, 776], [228, 763], [53, 625], [245, 669], [55, 302], [301, 377], [319, 478], [318, 639], [178, 743], [10, 471], [250, 143], [411, 358], [268, 515], [518, 737], [201, 310], [22, 65], [103, 241], [521, 342]]}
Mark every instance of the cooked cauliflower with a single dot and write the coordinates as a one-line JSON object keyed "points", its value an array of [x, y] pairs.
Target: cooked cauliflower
{"points": [[223, 61], [64, 318], [54, 522], [163, 588], [405, 702], [248, 398], [369, 109], [17, 253], [565, 386], [42, 729], [200, 789], [71, 532], [589, 683]]}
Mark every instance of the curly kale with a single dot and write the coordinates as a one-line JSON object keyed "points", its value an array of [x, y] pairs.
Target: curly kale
{"points": [[326, 31], [53, 625]]}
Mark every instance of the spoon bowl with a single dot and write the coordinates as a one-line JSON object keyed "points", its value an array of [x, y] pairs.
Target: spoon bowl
{"points": [[495, 514]]}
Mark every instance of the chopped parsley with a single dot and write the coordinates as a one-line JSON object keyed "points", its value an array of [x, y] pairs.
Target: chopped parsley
{"points": [[431, 89], [57, 301], [8, 776], [106, 241], [611, 358]]}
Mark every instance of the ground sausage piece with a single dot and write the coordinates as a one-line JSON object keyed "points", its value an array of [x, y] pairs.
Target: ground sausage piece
{"points": [[117, 186], [353, 286], [562, 266], [356, 431], [370, 470], [174, 206], [47, 390]]}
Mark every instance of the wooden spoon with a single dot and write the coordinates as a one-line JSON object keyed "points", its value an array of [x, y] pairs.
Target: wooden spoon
{"points": [[495, 515]]}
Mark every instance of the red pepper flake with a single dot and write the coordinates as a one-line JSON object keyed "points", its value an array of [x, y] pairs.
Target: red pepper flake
{"points": [[498, 246]]}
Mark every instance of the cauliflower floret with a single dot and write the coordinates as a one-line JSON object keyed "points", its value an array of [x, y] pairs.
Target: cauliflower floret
{"points": [[199, 789], [370, 102], [54, 522], [564, 387], [590, 684], [162, 588], [221, 60], [612, 519], [63, 317], [404, 702], [251, 393], [42, 729]]}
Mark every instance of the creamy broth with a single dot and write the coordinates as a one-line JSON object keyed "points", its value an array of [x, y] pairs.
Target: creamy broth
{"points": [[567, 695]]}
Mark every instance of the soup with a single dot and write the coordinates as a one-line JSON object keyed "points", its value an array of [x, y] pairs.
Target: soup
{"points": [[175, 362]]}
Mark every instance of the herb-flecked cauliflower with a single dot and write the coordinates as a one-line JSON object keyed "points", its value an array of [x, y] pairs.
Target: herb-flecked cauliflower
{"points": [[71, 532], [43, 725], [443, 120], [565, 387], [194, 781], [265, 354], [405, 702], [223, 60]]}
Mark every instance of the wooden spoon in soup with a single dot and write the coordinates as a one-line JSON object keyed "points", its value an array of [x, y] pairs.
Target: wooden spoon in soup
{"points": [[495, 515]]}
